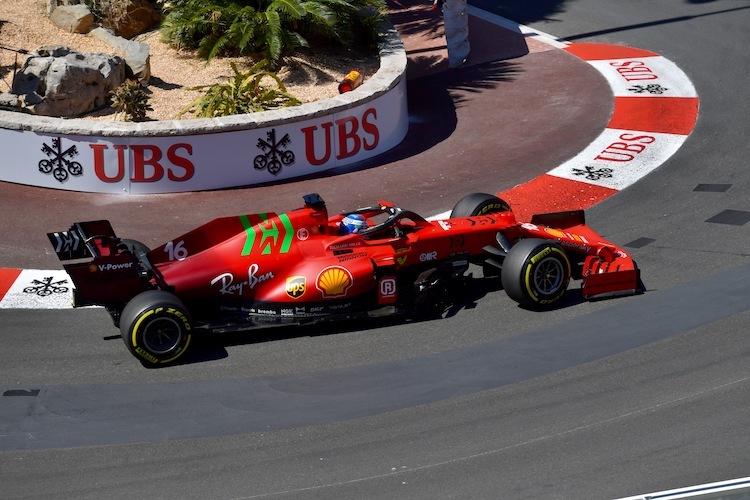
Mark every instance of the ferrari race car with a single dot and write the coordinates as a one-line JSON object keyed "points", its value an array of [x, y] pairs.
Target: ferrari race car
{"points": [[259, 270]]}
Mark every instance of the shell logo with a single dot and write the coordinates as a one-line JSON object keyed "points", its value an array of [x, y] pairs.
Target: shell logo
{"points": [[334, 282]]}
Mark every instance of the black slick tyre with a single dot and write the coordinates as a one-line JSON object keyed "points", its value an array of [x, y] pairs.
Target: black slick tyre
{"points": [[475, 204], [156, 328], [536, 273]]}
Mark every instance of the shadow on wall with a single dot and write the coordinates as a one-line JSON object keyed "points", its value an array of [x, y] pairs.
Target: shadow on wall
{"points": [[433, 101]]}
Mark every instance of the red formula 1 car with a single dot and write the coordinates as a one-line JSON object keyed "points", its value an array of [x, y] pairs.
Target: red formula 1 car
{"points": [[236, 273]]}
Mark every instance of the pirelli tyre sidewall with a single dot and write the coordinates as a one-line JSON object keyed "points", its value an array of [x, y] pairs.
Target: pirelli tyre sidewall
{"points": [[156, 327], [536, 273], [475, 204]]}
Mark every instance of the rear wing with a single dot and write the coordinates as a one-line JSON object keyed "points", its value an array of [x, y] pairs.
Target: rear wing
{"points": [[84, 240], [104, 270]]}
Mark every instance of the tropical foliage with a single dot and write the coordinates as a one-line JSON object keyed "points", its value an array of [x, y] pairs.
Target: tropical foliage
{"points": [[269, 29], [243, 93]]}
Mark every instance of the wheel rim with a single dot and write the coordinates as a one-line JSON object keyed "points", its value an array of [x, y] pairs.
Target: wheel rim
{"points": [[162, 335], [549, 276]]}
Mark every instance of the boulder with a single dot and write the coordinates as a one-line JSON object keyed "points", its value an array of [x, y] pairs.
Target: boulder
{"points": [[137, 55], [10, 102], [73, 18], [138, 58], [58, 81], [128, 18]]}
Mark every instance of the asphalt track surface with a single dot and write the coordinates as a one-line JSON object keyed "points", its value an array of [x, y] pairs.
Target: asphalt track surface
{"points": [[592, 400]]}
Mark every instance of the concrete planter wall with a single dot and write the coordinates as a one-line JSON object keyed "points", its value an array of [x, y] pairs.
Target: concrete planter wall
{"points": [[200, 154]]}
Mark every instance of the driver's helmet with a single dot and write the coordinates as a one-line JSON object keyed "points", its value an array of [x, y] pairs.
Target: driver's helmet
{"points": [[352, 223]]}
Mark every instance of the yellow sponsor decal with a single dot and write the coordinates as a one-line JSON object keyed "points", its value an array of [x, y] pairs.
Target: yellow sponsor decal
{"points": [[296, 286], [334, 282]]}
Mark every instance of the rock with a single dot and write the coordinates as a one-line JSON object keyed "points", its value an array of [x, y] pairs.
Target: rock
{"points": [[138, 59], [128, 18], [137, 55], [10, 102], [58, 81], [53, 51], [73, 18]]}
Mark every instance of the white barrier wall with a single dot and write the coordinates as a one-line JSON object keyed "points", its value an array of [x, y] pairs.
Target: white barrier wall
{"points": [[195, 155]]}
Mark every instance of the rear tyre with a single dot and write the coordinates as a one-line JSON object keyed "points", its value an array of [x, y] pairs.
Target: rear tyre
{"points": [[479, 204], [156, 328], [536, 273]]}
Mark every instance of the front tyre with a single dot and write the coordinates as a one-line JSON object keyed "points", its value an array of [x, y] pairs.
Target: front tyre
{"points": [[476, 204], [156, 328], [536, 273]]}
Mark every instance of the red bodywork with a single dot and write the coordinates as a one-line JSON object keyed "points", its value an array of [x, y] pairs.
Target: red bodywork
{"points": [[295, 264]]}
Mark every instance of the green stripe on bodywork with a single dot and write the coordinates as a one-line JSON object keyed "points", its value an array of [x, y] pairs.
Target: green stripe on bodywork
{"points": [[250, 235], [272, 232], [288, 233], [267, 248]]}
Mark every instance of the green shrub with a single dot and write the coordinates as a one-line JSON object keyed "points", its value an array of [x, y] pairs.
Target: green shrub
{"points": [[243, 93], [131, 100], [268, 29]]}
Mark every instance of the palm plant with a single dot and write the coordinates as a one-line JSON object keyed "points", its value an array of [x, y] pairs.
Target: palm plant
{"points": [[267, 28], [243, 93]]}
